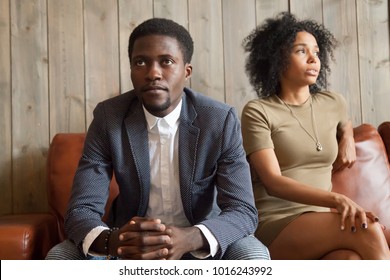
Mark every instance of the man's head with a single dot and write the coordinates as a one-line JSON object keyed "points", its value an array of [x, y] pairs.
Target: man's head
{"points": [[166, 27], [160, 51]]}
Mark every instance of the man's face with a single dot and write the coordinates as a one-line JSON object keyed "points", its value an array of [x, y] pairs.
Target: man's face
{"points": [[158, 73]]}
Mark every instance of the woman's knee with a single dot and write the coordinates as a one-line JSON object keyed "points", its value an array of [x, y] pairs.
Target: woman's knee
{"points": [[376, 232]]}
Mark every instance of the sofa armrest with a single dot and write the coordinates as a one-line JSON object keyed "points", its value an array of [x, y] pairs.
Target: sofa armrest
{"points": [[27, 236], [367, 182]]}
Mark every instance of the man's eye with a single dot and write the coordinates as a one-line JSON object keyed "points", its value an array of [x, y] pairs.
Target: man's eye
{"points": [[140, 63], [167, 62]]}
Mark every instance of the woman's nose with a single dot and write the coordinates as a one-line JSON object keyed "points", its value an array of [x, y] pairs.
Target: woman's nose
{"points": [[313, 58]]}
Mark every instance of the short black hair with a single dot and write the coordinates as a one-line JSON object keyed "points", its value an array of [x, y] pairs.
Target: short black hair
{"points": [[167, 27], [269, 46]]}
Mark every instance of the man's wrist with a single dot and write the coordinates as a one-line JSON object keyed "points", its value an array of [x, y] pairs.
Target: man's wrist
{"points": [[110, 247]]}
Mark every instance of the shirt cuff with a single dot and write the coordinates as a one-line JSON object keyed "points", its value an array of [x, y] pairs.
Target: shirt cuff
{"points": [[213, 244], [90, 238]]}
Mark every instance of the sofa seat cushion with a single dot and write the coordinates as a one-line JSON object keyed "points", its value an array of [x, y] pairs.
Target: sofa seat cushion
{"points": [[368, 181]]}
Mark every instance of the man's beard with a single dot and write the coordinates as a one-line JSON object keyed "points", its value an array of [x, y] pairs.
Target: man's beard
{"points": [[158, 108]]}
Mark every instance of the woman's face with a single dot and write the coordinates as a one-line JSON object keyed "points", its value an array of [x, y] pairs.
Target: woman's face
{"points": [[304, 64]]}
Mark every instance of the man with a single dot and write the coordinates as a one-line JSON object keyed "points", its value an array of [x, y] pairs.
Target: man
{"points": [[177, 156]]}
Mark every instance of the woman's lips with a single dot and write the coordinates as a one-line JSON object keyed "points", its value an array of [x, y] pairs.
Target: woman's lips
{"points": [[312, 72]]}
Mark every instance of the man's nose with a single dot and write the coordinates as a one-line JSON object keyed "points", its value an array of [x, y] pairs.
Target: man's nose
{"points": [[154, 72]]}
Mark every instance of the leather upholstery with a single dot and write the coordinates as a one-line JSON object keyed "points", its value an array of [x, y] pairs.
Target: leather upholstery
{"points": [[27, 236], [368, 181], [62, 162], [30, 236]]}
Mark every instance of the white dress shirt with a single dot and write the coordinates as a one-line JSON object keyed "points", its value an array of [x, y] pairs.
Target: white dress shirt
{"points": [[164, 199]]}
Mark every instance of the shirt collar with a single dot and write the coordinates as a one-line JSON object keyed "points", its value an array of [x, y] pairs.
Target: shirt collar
{"points": [[171, 118]]}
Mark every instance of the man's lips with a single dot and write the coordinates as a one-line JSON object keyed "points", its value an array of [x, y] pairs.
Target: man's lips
{"points": [[153, 89]]}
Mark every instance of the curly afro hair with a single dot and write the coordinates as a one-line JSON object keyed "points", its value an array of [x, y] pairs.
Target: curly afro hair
{"points": [[167, 27], [269, 46]]}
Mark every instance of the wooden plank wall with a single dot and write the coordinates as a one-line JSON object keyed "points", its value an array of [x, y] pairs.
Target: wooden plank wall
{"points": [[59, 58]]}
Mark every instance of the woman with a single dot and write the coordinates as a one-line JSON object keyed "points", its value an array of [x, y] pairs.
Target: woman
{"points": [[295, 135]]}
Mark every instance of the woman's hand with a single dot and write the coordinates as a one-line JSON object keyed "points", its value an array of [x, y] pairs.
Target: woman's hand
{"points": [[351, 212]]}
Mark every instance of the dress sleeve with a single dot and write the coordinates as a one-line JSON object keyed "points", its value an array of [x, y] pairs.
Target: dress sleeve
{"points": [[256, 129], [343, 108]]}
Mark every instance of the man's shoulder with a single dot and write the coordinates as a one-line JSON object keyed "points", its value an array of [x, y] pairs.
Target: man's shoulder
{"points": [[202, 101], [118, 104], [123, 98]]}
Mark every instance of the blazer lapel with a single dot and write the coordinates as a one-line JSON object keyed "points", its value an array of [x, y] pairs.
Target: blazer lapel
{"points": [[188, 143], [137, 133]]}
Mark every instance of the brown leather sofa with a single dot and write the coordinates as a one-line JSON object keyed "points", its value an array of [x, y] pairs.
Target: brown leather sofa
{"points": [[30, 236]]}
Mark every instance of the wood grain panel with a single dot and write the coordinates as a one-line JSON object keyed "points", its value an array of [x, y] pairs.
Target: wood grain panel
{"points": [[131, 13], [373, 34], [30, 133], [340, 19], [66, 68], [270, 8], [307, 9], [5, 111], [101, 52], [205, 19], [176, 10], [239, 19]]}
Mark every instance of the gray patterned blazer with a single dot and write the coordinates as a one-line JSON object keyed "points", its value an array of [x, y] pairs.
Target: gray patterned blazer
{"points": [[215, 179]]}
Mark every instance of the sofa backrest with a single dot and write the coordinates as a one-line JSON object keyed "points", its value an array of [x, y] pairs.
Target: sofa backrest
{"points": [[63, 158], [368, 181]]}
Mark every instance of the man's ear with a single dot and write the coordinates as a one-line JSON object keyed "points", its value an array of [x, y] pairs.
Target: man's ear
{"points": [[188, 70]]}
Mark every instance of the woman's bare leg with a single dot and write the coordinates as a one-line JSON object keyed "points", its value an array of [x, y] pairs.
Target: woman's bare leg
{"points": [[314, 235], [342, 254]]}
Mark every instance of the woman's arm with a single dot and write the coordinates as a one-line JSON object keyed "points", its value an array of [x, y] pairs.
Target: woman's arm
{"points": [[267, 168], [347, 153]]}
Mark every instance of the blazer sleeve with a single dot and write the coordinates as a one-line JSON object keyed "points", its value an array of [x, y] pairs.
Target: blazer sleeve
{"points": [[91, 183], [238, 217]]}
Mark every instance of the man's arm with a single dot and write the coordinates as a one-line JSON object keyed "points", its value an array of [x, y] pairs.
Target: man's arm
{"points": [[238, 217]]}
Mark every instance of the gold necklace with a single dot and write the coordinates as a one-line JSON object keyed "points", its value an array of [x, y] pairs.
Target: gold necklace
{"points": [[315, 139]]}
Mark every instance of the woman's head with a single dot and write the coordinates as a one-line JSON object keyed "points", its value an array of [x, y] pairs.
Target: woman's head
{"points": [[269, 46]]}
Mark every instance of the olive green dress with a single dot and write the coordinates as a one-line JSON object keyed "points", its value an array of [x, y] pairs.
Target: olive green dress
{"points": [[268, 123]]}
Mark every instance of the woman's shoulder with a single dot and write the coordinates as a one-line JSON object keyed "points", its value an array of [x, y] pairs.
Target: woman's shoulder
{"points": [[327, 95], [262, 102]]}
